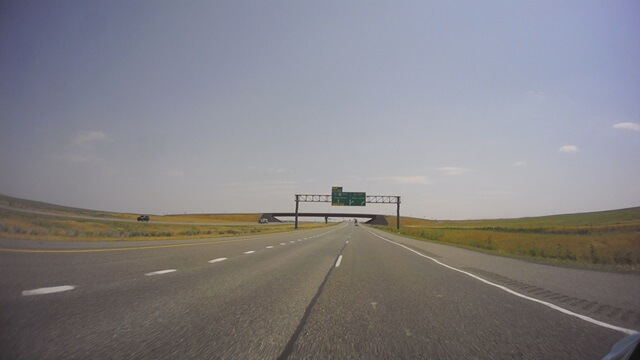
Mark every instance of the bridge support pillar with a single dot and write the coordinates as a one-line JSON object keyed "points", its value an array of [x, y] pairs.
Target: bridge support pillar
{"points": [[326, 219]]}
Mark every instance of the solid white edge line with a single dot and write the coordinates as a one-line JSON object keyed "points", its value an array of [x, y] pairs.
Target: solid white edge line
{"points": [[48, 290], [249, 252], [339, 261], [217, 260], [555, 307], [160, 272]]}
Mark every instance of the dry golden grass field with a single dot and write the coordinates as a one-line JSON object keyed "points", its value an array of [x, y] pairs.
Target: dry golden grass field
{"points": [[24, 219], [607, 239]]}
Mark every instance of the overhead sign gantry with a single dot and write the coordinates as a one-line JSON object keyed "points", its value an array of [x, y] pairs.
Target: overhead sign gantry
{"points": [[341, 198]]}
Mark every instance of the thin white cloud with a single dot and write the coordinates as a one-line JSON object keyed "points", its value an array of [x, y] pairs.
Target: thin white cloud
{"points": [[80, 150], [412, 180], [627, 126], [568, 149], [279, 186], [452, 170], [269, 170], [84, 138], [536, 95], [79, 158], [176, 173], [495, 193]]}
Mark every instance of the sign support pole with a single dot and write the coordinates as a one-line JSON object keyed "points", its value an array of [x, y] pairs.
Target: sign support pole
{"points": [[398, 218], [297, 203]]}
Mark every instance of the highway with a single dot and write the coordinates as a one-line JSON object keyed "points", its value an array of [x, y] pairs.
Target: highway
{"points": [[342, 292]]}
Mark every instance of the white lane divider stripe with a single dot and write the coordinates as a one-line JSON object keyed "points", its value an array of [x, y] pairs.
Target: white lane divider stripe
{"points": [[160, 272], [270, 247], [339, 261], [217, 260], [48, 290], [283, 244], [555, 307], [347, 242], [249, 252]]}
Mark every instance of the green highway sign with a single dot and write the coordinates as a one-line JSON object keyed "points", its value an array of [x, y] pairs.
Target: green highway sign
{"points": [[336, 195], [340, 198], [356, 199]]}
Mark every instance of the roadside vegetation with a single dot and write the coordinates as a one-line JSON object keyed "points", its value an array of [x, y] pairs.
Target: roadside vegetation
{"points": [[17, 222], [205, 218], [607, 240], [29, 205]]}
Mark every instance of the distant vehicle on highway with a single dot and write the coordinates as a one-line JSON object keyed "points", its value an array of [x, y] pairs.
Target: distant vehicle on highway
{"points": [[143, 218], [263, 221]]}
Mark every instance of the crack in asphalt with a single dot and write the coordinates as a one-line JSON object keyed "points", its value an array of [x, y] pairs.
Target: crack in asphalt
{"points": [[288, 349]]}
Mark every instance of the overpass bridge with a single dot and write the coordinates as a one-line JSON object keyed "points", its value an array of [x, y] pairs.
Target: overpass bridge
{"points": [[338, 198], [374, 219]]}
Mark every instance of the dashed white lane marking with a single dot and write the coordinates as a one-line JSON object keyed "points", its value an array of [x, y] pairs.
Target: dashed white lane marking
{"points": [[292, 241], [160, 272], [301, 239], [283, 244], [339, 261], [270, 247], [217, 260], [48, 290], [249, 252], [347, 242], [555, 307]]}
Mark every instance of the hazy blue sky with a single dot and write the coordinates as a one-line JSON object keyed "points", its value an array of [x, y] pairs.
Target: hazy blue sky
{"points": [[467, 109]]}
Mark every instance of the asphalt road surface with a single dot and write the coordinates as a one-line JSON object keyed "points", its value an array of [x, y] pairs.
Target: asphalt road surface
{"points": [[342, 292]]}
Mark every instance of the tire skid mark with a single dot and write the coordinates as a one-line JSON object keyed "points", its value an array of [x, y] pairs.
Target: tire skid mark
{"points": [[594, 307]]}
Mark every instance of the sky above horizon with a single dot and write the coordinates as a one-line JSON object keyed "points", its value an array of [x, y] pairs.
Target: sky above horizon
{"points": [[465, 109]]}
